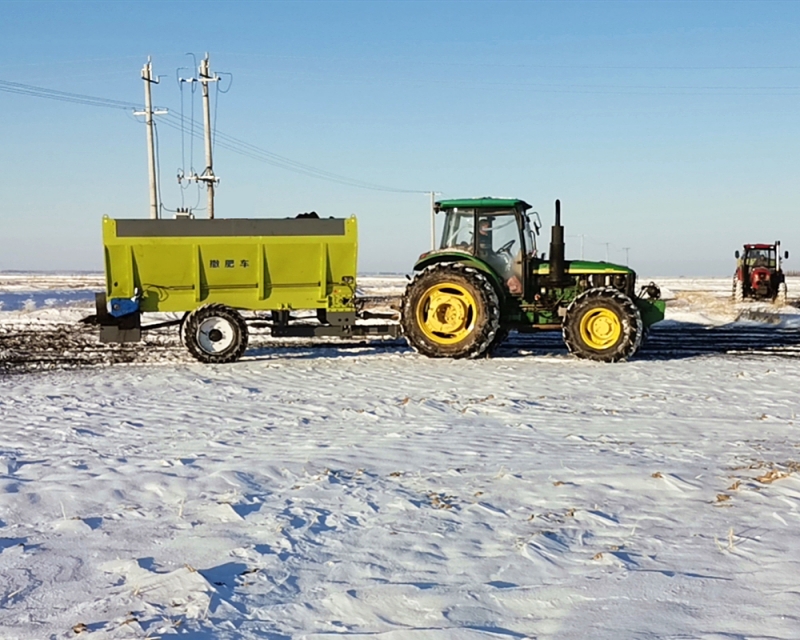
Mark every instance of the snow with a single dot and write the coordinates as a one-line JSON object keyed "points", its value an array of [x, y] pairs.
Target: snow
{"points": [[364, 491]]}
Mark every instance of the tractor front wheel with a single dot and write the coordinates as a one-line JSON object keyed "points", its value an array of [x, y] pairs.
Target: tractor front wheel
{"points": [[603, 324], [781, 298], [450, 310], [215, 334], [738, 290]]}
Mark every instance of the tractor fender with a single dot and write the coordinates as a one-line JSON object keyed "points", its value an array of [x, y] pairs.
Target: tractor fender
{"points": [[464, 258]]}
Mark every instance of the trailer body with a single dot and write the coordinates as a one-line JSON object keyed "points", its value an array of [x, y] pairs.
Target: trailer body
{"points": [[252, 264]]}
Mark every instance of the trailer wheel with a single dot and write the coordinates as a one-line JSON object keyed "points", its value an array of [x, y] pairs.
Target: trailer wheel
{"points": [[450, 310], [182, 328], [215, 334], [603, 324]]}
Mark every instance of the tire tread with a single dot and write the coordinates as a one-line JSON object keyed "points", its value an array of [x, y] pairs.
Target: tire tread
{"points": [[491, 302], [189, 331], [632, 326]]}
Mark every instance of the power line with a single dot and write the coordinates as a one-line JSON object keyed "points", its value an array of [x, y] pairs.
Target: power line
{"points": [[548, 88], [253, 152], [65, 96], [223, 140], [519, 65]]}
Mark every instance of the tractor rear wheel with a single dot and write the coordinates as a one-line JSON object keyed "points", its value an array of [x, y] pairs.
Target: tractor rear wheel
{"points": [[215, 334], [603, 324], [450, 310]]}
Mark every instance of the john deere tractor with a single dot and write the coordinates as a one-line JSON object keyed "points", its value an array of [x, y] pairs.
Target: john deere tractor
{"points": [[487, 278]]}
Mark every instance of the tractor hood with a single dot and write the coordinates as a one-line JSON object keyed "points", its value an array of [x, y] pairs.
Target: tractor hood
{"points": [[584, 266]]}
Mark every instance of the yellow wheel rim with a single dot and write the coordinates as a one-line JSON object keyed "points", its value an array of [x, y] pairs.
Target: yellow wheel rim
{"points": [[600, 328], [446, 313]]}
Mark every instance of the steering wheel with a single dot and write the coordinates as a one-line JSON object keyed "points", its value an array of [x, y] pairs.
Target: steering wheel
{"points": [[506, 248]]}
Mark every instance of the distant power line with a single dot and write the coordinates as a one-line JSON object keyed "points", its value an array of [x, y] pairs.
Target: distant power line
{"points": [[254, 152], [517, 65], [222, 140], [65, 96]]}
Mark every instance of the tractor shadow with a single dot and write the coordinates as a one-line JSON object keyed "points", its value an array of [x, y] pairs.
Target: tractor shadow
{"points": [[750, 335], [678, 340], [282, 349], [755, 336]]}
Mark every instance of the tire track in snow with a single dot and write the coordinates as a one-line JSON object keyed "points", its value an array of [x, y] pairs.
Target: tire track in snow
{"points": [[69, 346]]}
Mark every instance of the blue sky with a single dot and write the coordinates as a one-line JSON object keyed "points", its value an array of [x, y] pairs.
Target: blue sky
{"points": [[670, 128]]}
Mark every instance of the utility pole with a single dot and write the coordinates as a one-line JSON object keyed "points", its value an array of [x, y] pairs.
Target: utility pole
{"points": [[606, 243], [626, 249], [208, 174], [582, 236], [148, 113]]}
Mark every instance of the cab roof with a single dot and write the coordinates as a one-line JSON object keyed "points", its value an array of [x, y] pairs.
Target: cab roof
{"points": [[483, 203], [759, 246]]}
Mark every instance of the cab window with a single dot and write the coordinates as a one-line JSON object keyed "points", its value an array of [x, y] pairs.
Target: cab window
{"points": [[458, 228], [760, 258]]}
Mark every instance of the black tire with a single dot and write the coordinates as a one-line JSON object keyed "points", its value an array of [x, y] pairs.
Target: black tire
{"points": [[182, 329], [782, 296], [738, 290], [465, 322], [604, 325], [215, 334]]}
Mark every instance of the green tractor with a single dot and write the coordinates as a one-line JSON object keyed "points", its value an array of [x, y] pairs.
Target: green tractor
{"points": [[487, 279]]}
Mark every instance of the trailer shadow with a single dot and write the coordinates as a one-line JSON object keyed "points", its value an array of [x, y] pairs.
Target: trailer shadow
{"points": [[316, 350]]}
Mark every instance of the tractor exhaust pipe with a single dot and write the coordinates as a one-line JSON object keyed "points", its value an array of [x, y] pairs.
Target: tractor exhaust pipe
{"points": [[557, 249]]}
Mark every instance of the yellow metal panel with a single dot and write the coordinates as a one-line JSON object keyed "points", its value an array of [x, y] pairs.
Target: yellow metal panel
{"points": [[179, 273]]}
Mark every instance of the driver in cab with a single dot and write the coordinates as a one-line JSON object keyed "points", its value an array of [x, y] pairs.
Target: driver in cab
{"points": [[501, 260]]}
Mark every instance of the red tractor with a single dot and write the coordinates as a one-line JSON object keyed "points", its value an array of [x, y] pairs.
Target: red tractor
{"points": [[759, 275]]}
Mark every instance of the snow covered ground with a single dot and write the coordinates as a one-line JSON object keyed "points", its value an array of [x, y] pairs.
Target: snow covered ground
{"points": [[359, 490]]}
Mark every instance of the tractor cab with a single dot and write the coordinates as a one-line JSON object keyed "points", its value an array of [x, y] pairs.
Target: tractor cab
{"points": [[499, 232], [760, 255]]}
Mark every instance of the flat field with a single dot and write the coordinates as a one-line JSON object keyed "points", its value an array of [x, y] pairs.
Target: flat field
{"points": [[357, 489]]}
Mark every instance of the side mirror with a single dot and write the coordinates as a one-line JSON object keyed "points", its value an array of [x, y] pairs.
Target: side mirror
{"points": [[785, 255], [736, 254]]}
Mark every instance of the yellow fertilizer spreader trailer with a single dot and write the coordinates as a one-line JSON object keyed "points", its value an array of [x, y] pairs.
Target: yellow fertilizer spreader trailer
{"points": [[213, 269]]}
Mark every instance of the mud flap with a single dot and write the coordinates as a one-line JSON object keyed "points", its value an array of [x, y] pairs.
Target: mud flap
{"points": [[127, 328]]}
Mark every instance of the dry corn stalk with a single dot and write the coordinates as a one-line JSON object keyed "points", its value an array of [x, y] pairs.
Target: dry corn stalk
{"points": [[771, 476]]}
